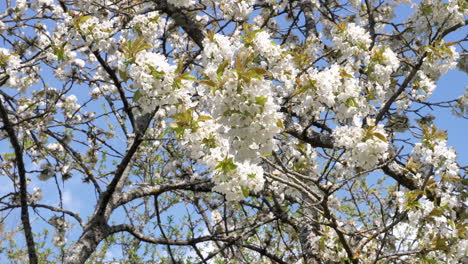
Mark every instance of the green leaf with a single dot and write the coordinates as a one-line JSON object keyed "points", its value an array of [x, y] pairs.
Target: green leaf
{"points": [[210, 35], [136, 96], [209, 142], [311, 84], [177, 84], [9, 156], [345, 74], [440, 134], [183, 120], [60, 54], [204, 118], [4, 60], [59, 51], [351, 102], [139, 45], [155, 73], [80, 20], [123, 75], [83, 19], [370, 94], [28, 142], [451, 223], [208, 83], [132, 47], [226, 165], [221, 68], [411, 165], [245, 191], [426, 9], [438, 211], [380, 136], [259, 70], [187, 76], [299, 90], [261, 100], [279, 123], [411, 202]]}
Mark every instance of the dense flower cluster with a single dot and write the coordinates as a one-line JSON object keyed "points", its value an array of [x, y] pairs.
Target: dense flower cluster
{"points": [[19, 77], [351, 39], [239, 10], [364, 146], [241, 124], [313, 104], [433, 152]]}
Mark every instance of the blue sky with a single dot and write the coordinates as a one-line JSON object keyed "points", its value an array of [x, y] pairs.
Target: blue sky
{"points": [[80, 198], [451, 86]]}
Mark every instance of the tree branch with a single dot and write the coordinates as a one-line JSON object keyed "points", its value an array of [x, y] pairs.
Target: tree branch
{"points": [[22, 180], [130, 195], [190, 26]]}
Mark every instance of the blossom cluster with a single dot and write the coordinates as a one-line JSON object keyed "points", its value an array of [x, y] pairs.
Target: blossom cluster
{"points": [[243, 118], [17, 76], [381, 64], [365, 147], [239, 10], [351, 39], [257, 106]]}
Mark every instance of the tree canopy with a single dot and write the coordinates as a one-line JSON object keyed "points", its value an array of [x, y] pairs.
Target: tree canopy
{"points": [[220, 131]]}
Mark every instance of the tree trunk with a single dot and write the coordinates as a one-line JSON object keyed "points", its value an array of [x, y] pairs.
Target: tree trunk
{"points": [[87, 243]]}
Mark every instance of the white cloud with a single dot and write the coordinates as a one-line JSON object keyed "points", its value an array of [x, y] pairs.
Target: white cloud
{"points": [[70, 202]]}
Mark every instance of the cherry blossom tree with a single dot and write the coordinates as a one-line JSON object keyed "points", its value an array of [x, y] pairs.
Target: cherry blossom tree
{"points": [[218, 131]]}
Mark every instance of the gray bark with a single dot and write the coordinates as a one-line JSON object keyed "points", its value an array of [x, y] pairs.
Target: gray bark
{"points": [[23, 192], [87, 243]]}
